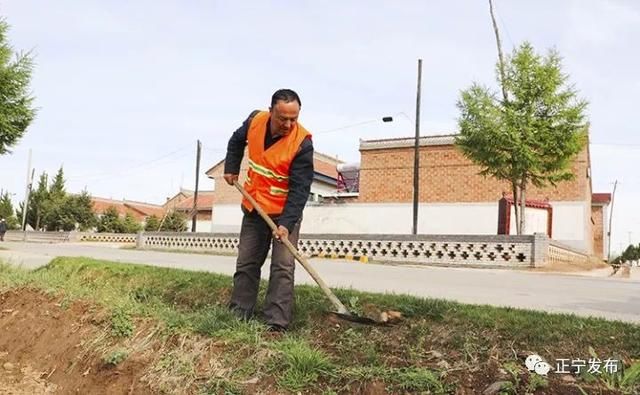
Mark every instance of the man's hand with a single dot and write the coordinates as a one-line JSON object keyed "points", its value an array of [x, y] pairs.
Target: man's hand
{"points": [[281, 233], [230, 178]]}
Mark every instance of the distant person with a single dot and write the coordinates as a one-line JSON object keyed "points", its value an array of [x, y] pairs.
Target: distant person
{"points": [[279, 179], [3, 228]]}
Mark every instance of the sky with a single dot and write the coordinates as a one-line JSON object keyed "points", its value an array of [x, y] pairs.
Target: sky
{"points": [[124, 89]]}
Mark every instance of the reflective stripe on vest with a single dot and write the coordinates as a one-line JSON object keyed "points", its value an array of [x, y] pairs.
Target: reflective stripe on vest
{"points": [[268, 174], [265, 172]]}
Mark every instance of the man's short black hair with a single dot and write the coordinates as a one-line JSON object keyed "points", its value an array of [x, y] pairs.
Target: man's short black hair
{"points": [[286, 95]]}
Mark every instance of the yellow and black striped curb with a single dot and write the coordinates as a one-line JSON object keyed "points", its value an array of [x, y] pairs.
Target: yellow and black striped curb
{"points": [[350, 257]]}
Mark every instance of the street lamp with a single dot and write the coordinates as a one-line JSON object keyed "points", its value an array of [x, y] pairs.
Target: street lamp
{"points": [[416, 156]]}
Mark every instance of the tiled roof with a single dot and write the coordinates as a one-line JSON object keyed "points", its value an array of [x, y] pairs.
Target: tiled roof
{"points": [[100, 205], [205, 202], [601, 198], [145, 208], [405, 142], [533, 203]]}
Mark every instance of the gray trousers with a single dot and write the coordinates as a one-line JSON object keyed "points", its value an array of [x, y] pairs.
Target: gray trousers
{"points": [[255, 241]]}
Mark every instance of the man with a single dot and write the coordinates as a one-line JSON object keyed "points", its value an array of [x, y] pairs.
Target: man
{"points": [[3, 228], [279, 179]]}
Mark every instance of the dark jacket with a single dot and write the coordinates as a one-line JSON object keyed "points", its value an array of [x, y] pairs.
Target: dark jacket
{"points": [[300, 172]]}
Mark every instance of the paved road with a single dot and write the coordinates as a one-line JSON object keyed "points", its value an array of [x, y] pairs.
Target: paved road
{"points": [[612, 298]]}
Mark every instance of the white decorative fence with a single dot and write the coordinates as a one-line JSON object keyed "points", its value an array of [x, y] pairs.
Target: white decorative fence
{"points": [[226, 243], [448, 250], [106, 237]]}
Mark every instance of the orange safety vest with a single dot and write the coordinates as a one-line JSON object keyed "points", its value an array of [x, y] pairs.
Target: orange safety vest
{"points": [[268, 174]]}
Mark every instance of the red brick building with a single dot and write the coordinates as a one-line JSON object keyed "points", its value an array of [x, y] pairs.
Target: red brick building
{"points": [[451, 182]]}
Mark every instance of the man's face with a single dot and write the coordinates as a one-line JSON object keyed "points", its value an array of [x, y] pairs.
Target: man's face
{"points": [[284, 117]]}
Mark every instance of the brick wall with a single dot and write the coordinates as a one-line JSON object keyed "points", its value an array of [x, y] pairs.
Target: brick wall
{"points": [[597, 215], [175, 201], [325, 164], [446, 175], [223, 192]]}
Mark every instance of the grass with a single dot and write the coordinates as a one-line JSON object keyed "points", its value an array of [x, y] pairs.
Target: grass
{"points": [[299, 366], [115, 357], [198, 345]]}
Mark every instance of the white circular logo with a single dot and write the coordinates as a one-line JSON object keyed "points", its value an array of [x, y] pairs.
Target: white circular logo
{"points": [[542, 368], [531, 361]]}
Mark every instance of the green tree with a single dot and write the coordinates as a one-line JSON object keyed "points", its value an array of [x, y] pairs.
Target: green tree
{"points": [[174, 221], [37, 201], [632, 253], [56, 214], [152, 224], [16, 103], [57, 190], [110, 221], [53, 209], [59, 215], [531, 135], [6, 211], [80, 208], [130, 225]]}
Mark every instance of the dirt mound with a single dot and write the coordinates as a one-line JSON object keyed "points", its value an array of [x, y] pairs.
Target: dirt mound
{"points": [[43, 349]]}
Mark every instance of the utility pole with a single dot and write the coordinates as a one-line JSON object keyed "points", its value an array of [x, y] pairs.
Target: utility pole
{"points": [[519, 204], [25, 206], [613, 196], [416, 154], [195, 194]]}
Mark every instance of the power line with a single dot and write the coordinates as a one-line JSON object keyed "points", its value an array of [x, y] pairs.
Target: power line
{"points": [[353, 125], [347, 126]]}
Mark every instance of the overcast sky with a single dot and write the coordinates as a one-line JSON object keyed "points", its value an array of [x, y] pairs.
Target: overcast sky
{"points": [[125, 88]]}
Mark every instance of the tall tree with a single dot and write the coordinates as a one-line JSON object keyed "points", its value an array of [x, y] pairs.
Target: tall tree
{"points": [[175, 221], [37, 202], [16, 102], [110, 221], [57, 188], [55, 214], [532, 137], [130, 225], [80, 208], [152, 224], [6, 211]]}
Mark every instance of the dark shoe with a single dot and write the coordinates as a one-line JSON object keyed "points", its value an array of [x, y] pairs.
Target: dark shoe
{"points": [[241, 314], [261, 317], [274, 328]]}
